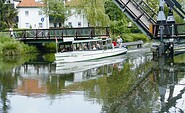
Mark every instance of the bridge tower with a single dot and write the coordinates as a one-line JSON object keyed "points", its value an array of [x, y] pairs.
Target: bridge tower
{"points": [[171, 30], [161, 20], [166, 26]]}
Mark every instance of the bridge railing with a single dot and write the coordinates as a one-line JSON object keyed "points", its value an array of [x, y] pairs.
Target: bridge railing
{"points": [[87, 32], [150, 14], [140, 12], [169, 30]]}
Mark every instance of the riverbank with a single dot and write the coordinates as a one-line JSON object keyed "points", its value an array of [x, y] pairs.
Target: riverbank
{"points": [[9, 46]]}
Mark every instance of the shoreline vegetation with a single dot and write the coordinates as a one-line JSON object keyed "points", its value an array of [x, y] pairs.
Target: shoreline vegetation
{"points": [[10, 47]]}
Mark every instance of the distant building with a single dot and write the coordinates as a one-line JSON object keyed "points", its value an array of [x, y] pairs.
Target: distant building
{"points": [[30, 15], [75, 20]]}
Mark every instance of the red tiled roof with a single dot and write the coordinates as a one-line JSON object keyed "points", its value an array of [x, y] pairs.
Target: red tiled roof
{"points": [[29, 3]]}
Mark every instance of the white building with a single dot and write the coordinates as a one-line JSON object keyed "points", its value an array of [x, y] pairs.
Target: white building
{"points": [[75, 20], [30, 15]]}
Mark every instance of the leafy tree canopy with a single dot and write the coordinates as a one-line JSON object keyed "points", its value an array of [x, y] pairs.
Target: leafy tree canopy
{"points": [[56, 10], [119, 21], [7, 15], [93, 10]]}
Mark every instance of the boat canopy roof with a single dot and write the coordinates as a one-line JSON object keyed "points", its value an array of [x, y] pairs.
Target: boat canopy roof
{"points": [[96, 39], [88, 40], [71, 39]]}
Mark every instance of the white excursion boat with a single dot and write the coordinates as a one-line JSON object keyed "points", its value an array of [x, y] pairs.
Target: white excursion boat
{"points": [[82, 50]]}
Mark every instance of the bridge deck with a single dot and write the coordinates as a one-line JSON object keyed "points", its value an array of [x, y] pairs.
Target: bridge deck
{"points": [[48, 35]]}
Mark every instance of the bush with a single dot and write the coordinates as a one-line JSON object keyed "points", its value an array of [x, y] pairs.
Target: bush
{"points": [[139, 36], [134, 37], [9, 46], [127, 38], [50, 46]]}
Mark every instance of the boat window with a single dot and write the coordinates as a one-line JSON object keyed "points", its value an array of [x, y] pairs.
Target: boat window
{"points": [[85, 46], [107, 44], [91, 44], [66, 47]]}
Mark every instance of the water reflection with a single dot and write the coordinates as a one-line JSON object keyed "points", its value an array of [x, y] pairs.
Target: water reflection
{"points": [[169, 76], [124, 84], [93, 69], [162, 90]]}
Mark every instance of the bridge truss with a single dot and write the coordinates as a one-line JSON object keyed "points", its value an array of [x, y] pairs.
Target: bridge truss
{"points": [[146, 18]]}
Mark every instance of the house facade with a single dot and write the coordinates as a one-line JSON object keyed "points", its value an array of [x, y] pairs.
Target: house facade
{"points": [[30, 15], [77, 19]]}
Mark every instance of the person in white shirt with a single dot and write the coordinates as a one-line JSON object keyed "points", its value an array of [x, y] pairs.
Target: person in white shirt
{"points": [[94, 47], [11, 32]]}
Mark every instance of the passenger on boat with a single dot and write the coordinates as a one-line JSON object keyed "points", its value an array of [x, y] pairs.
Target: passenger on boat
{"points": [[63, 50], [119, 41], [94, 47], [114, 43], [80, 48], [98, 45], [85, 47]]}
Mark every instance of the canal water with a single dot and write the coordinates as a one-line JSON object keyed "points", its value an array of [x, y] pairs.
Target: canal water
{"points": [[131, 83]]}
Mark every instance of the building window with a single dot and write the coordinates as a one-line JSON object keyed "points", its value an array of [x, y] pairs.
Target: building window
{"points": [[79, 24], [60, 25], [26, 13], [40, 12], [27, 25], [40, 25], [55, 25], [69, 12], [79, 12], [70, 24]]}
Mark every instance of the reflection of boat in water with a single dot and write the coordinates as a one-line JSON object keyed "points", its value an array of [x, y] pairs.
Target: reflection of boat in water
{"points": [[75, 67], [92, 69], [82, 50]]}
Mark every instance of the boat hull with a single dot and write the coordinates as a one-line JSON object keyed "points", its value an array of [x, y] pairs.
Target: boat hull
{"points": [[75, 56]]}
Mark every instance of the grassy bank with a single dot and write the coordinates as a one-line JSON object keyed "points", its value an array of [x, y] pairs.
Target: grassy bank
{"points": [[9, 46]]}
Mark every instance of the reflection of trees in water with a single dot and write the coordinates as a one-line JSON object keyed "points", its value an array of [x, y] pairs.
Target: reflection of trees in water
{"points": [[132, 97], [104, 89], [161, 86], [167, 75], [9, 72], [56, 84], [108, 90], [7, 84]]}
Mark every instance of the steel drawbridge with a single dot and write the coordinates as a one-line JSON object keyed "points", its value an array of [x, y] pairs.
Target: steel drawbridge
{"points": [[146, 18]]}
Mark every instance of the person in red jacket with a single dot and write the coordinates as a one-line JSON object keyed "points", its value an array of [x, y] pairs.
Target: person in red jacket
{"points": [[114, 43]]}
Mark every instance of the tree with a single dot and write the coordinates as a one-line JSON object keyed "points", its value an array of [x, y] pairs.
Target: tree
{"points": [[119, 21], [93, 10], [10, 16], [56, 10], [7, 15]]}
